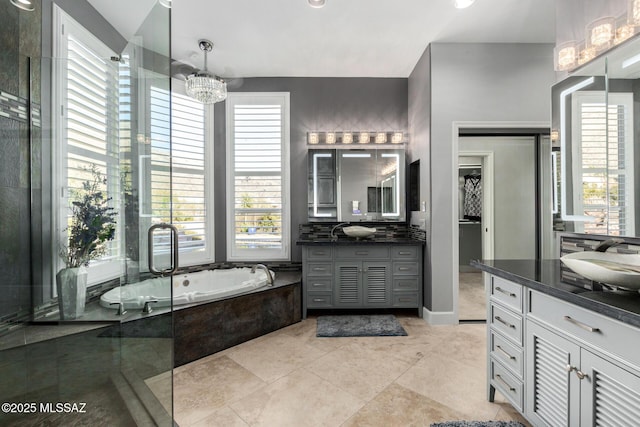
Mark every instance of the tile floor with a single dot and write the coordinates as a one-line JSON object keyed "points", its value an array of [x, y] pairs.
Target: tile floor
{"points": [[471, 297], [292, 378]]}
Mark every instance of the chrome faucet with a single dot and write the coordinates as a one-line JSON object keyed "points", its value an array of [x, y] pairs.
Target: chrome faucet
{"points": [[266, 270], [147, 306], [121, 310], [333, 230], [603, 246]]}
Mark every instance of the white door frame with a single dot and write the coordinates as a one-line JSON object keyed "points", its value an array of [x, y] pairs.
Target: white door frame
{"points": [[455, 145]]}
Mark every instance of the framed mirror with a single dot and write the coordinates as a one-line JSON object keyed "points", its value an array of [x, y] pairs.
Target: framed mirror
{"points": [[595, 113], [356, 185]]}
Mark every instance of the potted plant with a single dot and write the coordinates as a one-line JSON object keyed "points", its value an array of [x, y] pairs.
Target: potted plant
{"points": [[92, 224]]}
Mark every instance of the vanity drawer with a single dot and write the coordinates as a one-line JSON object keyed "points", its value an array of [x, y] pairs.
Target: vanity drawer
{"points": [[318, 284], [404, 252], [405, 268], [319, 253], [320, 269], [409, 299], [363, 251], [508, 354], [508, 385], [405, 284], [507, 323], [596, 330], [508, 293], [319, 300]]}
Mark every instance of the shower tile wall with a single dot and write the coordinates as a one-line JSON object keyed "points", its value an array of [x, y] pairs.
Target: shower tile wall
{"points": [[19, 39]]}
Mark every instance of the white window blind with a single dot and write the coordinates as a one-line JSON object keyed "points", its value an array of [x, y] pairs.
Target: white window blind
{"points": [[257, 165], [604, 159], [88, 126], [181, 193]]}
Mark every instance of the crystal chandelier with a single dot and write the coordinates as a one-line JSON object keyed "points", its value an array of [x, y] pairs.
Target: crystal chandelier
{"points": [[204, 86]]}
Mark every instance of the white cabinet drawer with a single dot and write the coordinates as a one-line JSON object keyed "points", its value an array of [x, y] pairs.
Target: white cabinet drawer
{"points": [[319, 253], [507, 384], [508, 354], [318, 284], [507, 323], [362, 252], [593, 329], [508, 293], [405, 268], [404, 252], [320, 269]]}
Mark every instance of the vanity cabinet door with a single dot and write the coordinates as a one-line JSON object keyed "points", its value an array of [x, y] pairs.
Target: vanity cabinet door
{"points": [[552, 385], [376, 280], [348, 284]]}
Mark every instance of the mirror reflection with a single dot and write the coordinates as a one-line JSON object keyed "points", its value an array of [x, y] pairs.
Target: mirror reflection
{"points": [[595, 150], [356, 185]]}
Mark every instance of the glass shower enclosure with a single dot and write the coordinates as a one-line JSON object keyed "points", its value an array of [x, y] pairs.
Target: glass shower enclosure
{"points": [[77, 115]]}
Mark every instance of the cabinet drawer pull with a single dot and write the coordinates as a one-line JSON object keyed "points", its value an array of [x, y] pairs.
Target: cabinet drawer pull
{"points": [[404, 268], [404, 253], [362, 253], [505, 353], [318, 300], [405, 299], [319, 253], [511, 294], [581, 325], [499, 319], [319, 269], [317, 285], [506, 384]]}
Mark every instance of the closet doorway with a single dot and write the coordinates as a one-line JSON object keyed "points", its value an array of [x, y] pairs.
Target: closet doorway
{"points": [[508, 219], [475, 225]]}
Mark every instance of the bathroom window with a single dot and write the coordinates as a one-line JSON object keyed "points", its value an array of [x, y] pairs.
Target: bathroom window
{"points": [[87, 125], [189, 177], [603, 162], [258, 176]]}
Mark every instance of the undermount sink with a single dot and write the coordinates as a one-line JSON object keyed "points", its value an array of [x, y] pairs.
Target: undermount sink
{"points": [[617, 270], [358, 231]]}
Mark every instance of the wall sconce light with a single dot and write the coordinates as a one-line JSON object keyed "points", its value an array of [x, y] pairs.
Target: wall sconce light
{"points": [[566, 55], [364, 137], [600, 33], [347, 137], [313, 138], [331, 138], [633, 12], [555, 135]]}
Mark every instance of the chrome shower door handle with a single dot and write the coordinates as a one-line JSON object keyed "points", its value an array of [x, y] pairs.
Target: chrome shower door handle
{"points": [[174, 249]]}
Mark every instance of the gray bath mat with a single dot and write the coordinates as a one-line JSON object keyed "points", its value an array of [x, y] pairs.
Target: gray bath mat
{"points": [[478, 424], [359, 326]]}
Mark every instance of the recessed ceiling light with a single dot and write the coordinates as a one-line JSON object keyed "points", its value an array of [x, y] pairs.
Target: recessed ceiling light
{"points": [[24, 5], [461, 4], [317, 3]]}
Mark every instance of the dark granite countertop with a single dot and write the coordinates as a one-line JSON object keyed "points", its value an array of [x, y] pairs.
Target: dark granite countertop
{"points": [[342, 240], [545, 276]]}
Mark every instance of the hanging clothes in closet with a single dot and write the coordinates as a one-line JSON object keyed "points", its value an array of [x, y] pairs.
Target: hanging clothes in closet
{"points": [[473, 196]]}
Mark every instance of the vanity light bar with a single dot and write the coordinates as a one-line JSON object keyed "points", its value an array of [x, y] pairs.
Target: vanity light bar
{"points": [[363, 137]]}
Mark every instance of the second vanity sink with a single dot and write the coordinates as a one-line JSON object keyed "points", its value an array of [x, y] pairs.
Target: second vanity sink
{"points": [[359, 231], [618, 270]]}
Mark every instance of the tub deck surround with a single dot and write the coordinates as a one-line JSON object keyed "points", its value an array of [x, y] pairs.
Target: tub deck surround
{"points": [[546, 276]]}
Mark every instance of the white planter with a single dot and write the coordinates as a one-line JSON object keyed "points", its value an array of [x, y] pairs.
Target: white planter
{"points": [[72, 292]]}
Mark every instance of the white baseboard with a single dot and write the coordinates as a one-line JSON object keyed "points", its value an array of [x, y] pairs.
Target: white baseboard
{"points": [[439, 317]]}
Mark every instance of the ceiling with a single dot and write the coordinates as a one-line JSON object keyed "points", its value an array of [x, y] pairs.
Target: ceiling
{"points": [[346, 38]]}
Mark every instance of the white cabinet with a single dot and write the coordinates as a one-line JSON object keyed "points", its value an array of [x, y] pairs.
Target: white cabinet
{"points": [[362, 276]]}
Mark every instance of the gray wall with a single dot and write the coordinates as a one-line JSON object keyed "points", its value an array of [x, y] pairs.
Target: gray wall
{"points": [[316, 104], [470, 82]]}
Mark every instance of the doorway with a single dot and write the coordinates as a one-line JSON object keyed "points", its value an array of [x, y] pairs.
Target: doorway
{"points": [[504, 226]]}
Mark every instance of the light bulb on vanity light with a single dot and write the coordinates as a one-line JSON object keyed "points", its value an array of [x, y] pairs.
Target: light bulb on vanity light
{"points": [[313, 138], [397, 137], [381, 137], [330, 138], [347, 137], [364, 137]]}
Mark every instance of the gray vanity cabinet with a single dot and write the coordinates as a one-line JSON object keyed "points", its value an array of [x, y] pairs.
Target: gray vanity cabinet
{"points": [[361, 276]]}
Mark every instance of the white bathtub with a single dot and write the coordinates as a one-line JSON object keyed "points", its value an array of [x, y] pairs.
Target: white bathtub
{"points": [[187, 288]]}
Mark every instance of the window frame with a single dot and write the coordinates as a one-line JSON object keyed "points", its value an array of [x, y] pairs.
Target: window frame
{"points": [[63, 25], [252, 254]]}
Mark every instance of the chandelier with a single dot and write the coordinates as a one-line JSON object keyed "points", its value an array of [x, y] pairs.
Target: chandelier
{"points": [[204, 86]]}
